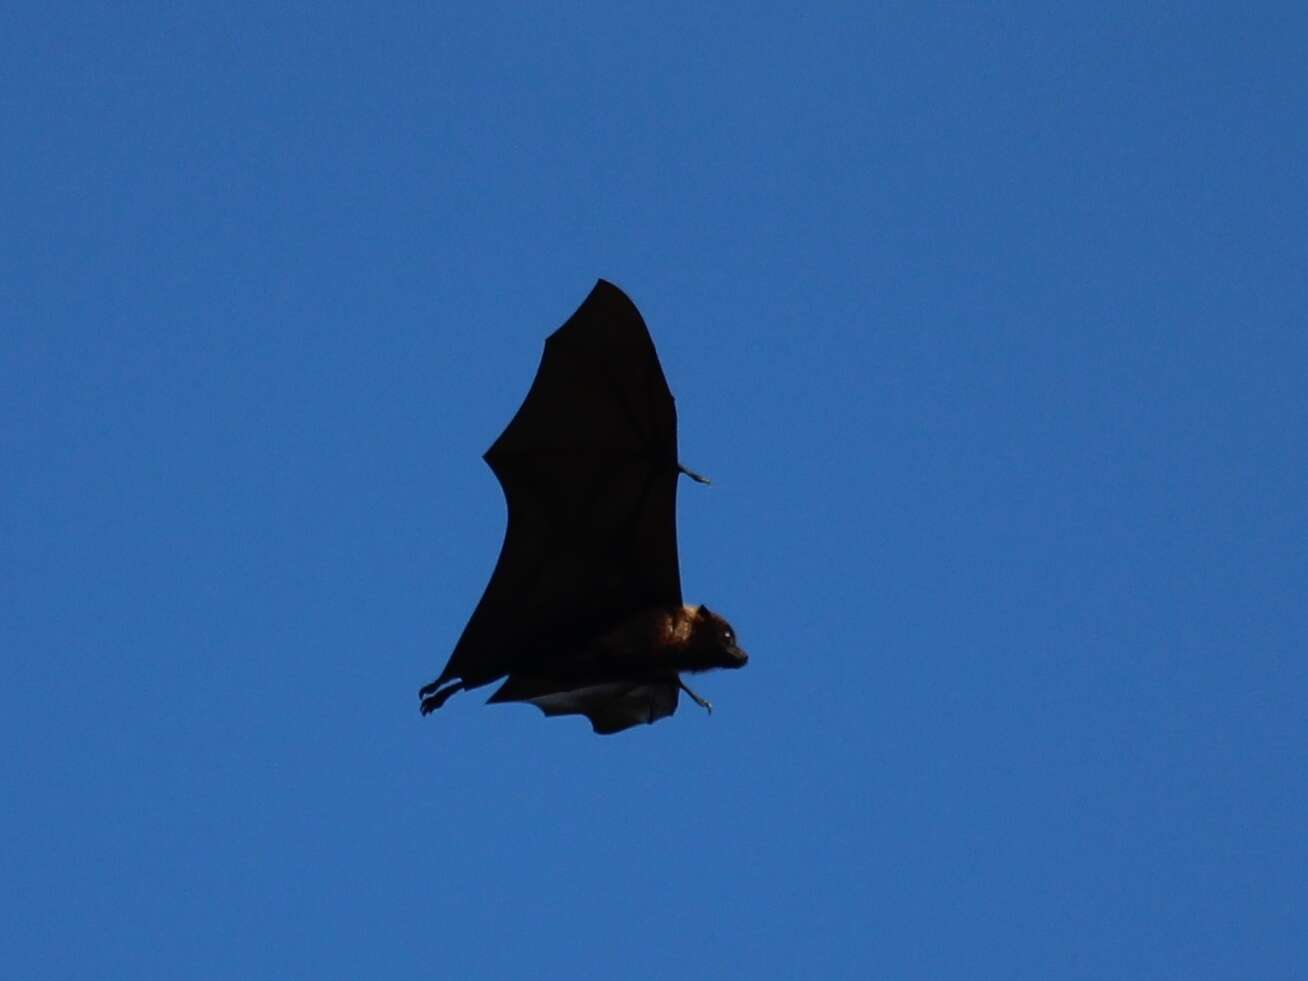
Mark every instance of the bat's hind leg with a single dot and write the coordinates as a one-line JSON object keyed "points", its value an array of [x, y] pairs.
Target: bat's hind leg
{"points": [[433, 699]]}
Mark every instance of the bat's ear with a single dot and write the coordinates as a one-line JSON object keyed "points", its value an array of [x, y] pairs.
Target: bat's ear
{"points": [[705, 613]]}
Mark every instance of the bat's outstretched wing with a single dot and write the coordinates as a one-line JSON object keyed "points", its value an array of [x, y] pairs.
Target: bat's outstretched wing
{"points": [[589, 471]]}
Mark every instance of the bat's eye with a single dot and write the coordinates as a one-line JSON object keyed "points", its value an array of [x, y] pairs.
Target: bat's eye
{"points": [[728, 636]]}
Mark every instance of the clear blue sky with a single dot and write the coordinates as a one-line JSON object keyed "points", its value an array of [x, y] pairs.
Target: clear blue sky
{"points": [[988, 322]]}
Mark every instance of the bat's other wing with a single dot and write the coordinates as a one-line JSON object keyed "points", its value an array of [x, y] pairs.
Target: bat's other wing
{"points": [[589, 470], [614, 706]]}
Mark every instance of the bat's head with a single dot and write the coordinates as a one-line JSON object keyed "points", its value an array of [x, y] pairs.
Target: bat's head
{"points": [[712, 643]]}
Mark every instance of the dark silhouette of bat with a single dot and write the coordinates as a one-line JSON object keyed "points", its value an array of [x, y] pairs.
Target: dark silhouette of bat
{"points": [[583, 613]]}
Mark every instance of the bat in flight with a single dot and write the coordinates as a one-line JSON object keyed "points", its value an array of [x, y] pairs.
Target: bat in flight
{"points": [[583, 613]]}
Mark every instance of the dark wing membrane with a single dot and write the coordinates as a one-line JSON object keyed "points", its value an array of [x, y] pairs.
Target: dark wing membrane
{"points": [[589, 471]]}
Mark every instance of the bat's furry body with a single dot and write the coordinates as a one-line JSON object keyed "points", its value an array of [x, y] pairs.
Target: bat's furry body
{"points": [[630, 674]]}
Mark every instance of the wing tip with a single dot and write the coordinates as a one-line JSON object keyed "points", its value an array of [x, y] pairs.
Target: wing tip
{"points": [[606, 287]]}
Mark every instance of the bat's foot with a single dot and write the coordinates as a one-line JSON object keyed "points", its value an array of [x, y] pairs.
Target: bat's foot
{"points": [[432, 699], [703, 703]]}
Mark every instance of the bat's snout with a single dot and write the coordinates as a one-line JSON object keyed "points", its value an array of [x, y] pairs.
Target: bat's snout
{"points": [[737, 657]]}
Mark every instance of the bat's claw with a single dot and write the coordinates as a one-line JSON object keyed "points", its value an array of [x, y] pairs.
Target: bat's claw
{"points": [[703, 703], [432, 699], [698, 478]]}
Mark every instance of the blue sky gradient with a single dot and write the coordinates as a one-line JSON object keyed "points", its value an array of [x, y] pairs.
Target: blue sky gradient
{"points": [[988, 323]]}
